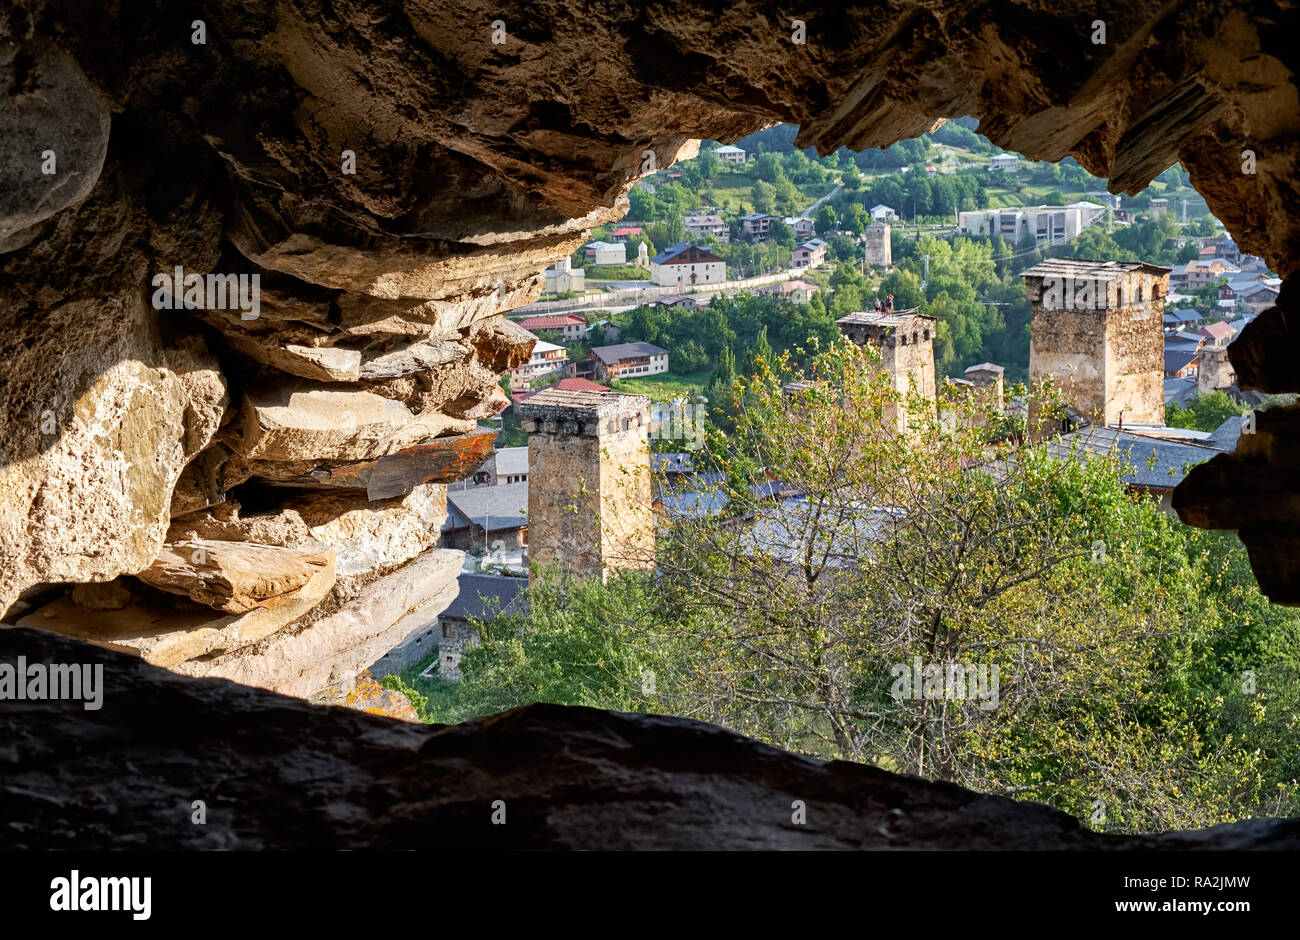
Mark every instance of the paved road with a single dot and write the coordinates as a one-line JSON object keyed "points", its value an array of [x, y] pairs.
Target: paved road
{"points": [[813, 208]]}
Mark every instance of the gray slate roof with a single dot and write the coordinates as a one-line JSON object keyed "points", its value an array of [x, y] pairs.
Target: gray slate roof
{"points": [[494, 508], [1154, 463], [483, 596]]}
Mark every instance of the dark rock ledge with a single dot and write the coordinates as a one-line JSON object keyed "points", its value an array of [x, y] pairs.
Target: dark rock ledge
{"points": [[276, 772]]}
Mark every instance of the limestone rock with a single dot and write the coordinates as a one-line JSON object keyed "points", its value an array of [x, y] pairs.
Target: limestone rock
{"points": [[166, 633], [286, 424], [441, 460], [51, 118], [235, 577], [103, 595], [367, 537], [338, 646]]}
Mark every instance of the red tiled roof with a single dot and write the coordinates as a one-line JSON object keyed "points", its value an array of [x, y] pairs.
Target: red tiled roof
{"points": [[625, 231], [1217, 330], [552, 323], [581, 385]]}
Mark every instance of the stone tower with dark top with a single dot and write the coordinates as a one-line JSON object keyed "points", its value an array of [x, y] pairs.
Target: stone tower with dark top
{"points": [[905, 340], [1097, 331], [589, 499]]}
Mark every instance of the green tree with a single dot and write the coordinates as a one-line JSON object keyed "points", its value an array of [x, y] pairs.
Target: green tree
{"points": [[1204, 412]]}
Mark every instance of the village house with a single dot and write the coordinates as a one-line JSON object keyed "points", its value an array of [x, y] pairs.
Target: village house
{"points": [[683, 301], [754, 227], [506, 465], [571, 325], [1158, 208], [1175, 320], [546, 358], [606, 253], [625, 360], [563, 277], [1218, 334], [883, 213], [610, 330], [702, 224], [685, 265], [811, 254], [483, 519], [480, 598], [623, 234], [1253, 291], [1181, 363], [1196, 274], [1007, 162], [802, 226], [799, 292], [729, 154]]}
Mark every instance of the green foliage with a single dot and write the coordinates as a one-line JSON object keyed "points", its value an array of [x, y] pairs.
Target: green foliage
{"points": [[1204, 412], [1139, 665]]}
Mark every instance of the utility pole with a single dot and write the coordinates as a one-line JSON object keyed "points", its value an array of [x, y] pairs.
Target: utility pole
{"points": [[926, 279]]}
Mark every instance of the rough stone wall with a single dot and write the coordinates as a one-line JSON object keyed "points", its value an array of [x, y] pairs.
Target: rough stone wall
{"points": [[1108, 362], [879, 248], [1214, 370], [1135, 357], [594, 515]]}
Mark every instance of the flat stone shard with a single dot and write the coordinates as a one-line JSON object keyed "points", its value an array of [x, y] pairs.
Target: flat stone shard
{"points": [[235, 577], [338, 646], [367, 537], [441, 460], [284, 425], [165, 633]]}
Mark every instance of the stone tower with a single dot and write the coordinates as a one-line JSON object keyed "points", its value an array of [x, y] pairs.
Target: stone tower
{"points": [[879, 253], [1214, 371], [906, 343], [589, 500], [1097, 330], [642, 256]]}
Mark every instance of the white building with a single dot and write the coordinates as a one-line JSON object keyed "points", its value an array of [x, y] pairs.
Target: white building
{"points": [[882, 213], [729, 154], [1042, 223], [685, 265], [1005, 161], [563, 276], [700, 224], [802, 225], [546, 357], [606, 253]]}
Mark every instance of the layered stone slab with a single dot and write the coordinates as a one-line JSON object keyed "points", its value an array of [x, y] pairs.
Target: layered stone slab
{"points": [[338, 646], [234, 577], [366, 536], [441, 460], [168, 634], [281, 425]]}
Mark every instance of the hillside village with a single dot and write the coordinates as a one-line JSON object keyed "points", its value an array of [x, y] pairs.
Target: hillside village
{"points": [[816, 268]]}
